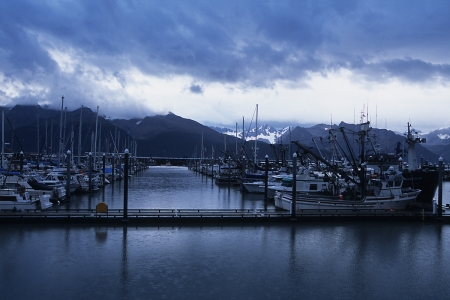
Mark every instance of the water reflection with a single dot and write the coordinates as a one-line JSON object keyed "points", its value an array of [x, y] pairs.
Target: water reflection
{"points": [[372, 260], [124, 265], [101, 233]]}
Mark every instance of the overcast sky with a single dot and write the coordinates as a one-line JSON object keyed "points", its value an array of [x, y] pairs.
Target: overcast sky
{"points": [[212, 61]]}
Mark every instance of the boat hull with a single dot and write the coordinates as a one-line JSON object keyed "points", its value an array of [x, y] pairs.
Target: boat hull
{"points": [[10, 200], [284, 201], [425, 180]]}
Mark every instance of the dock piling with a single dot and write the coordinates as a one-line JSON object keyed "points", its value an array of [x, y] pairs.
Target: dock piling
{"points": [[125, 186]]}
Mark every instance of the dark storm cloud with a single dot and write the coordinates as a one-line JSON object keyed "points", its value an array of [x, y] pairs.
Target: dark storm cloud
{"points": [[407, 69], [248, 43], [196, 89]]}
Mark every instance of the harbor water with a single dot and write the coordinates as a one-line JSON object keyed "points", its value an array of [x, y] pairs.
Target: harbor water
{"points": [[170, 187], [312, 260]]}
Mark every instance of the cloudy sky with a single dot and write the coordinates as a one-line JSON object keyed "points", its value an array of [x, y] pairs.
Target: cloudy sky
{"points": [[212, 61]]}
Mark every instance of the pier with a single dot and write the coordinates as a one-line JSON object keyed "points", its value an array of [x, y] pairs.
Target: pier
{"points": [[165, 217]]}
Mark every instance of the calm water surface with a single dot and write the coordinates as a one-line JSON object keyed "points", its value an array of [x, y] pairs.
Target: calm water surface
{"points": [[170, 187], [364, 260], [178, 187]]}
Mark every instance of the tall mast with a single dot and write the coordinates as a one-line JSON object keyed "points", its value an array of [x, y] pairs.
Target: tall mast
{"points": [[243, 132], [46, 138], [60, 132], [72, 136], [100, 139], [79, 136], [95, 141], [256, 134], [3, 135], [51, 139], [236, 140], [37, 156], [201, 151], [64, 132]]}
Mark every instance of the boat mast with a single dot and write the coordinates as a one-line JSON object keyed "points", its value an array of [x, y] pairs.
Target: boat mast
{"points": [[201, 151], [37, 156], [236, 139], [46, 138], [64, 134], [79, 137], [95, 141], [60, 132], [51, 139], [256, 134], [243, 133], [72, 136], [3, 135]]}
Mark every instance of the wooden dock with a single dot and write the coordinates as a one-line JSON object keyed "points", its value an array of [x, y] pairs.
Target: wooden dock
{"points": [[156, 217]]}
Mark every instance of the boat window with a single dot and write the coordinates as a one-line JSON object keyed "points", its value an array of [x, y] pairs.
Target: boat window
{"points": [[313, 187], [8, 198]]}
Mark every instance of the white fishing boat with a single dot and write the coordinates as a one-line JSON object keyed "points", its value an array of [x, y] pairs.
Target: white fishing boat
{"points": [[383, 193], [365, 188]]}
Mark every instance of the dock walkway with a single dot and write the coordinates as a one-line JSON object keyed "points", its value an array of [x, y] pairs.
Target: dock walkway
{"points": [[223, 216]]}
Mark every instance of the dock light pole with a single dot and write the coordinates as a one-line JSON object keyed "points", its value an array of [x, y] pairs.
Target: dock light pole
{"points": [[125, 186], [90, 171], [104, 169], [68, 176], [441, 160], [294, 187], [266, 177], [21, 161]]}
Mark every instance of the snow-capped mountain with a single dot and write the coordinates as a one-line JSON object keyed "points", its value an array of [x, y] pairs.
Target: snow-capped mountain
{"points": [[438, 137], [438, 141], [266, 133]]}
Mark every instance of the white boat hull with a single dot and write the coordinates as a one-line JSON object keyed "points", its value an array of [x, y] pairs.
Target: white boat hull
{"points": [[10, 200], [284, 201]]}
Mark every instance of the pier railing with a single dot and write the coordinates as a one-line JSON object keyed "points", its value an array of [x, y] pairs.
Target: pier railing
{"points": [[217, 214]]}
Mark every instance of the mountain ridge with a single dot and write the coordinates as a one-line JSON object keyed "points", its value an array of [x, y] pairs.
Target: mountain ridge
{"points": [[175, 136]]}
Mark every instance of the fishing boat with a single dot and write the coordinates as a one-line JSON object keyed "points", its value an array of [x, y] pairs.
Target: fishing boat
{"points": [[366, 188], [307, 181], [423, 176], [384, 192]]}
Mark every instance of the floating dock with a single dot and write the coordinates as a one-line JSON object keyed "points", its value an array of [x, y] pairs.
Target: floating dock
{"points": [[156, 217]]}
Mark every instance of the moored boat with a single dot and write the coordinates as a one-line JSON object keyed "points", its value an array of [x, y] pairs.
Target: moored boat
{"points": [[259, 186], [11, 199], [384, 192]]}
